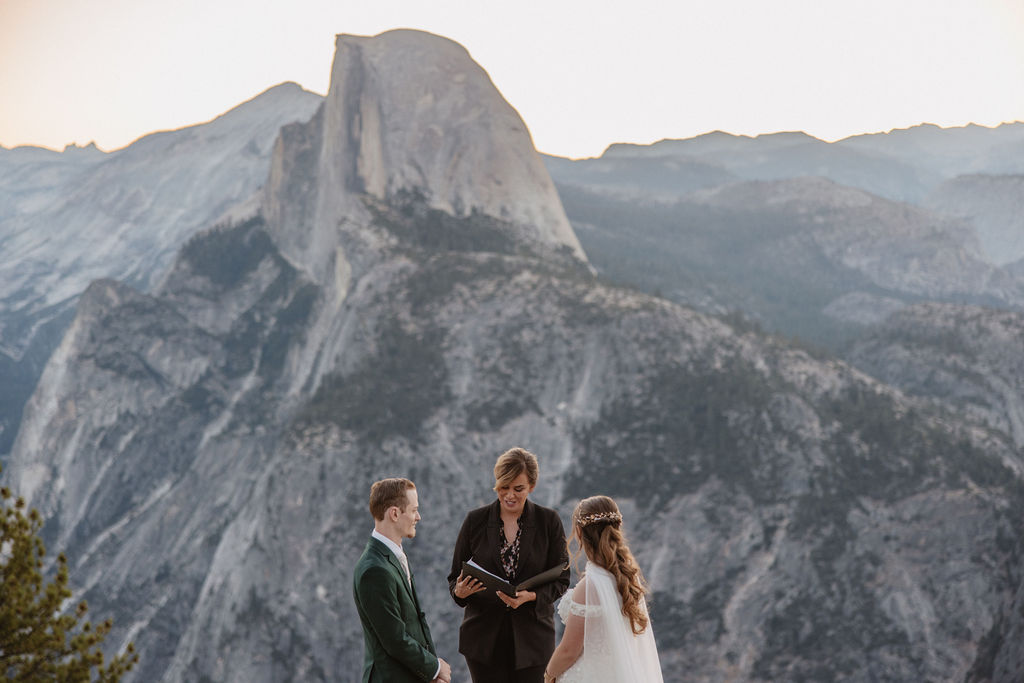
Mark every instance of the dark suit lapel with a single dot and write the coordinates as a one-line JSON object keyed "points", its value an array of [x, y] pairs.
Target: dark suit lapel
{"points": [[526, 545], [401, 574], [397, 567], [495, 536], [415, 597]]}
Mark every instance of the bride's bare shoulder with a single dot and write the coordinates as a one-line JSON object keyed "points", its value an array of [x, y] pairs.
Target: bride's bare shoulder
{"points": [[579, 594]]}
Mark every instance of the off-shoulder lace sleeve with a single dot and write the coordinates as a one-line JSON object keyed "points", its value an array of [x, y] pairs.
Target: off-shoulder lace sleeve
{"points": [[567, 606], [563, 607]]}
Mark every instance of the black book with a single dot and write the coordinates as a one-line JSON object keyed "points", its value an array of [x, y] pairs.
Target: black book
{"points": [[497, 583]]}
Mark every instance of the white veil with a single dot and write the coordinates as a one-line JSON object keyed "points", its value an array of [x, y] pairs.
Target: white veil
{"points": [[611, 651]]}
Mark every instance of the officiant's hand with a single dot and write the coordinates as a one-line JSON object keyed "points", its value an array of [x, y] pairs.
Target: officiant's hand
{"points": [[466, 586], [521, 597]]}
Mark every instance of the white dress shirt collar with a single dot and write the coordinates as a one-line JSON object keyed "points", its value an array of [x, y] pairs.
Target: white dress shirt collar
{"points": [[392, 546]]}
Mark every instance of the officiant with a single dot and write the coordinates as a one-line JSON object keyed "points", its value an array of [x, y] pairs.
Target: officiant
{"points": [[506, 638]]}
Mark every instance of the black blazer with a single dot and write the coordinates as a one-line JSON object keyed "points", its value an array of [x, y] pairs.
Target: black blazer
{"points": [[541, 547]]}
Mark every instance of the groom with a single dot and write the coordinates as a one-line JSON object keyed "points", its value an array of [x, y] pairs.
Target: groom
{"points": [[398, 644]]}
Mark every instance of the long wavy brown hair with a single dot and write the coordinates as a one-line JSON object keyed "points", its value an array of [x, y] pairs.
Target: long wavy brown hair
{"points": [[597, 528]]}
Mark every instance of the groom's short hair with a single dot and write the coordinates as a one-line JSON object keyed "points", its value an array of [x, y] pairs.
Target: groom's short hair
{"points": [[388, 493]]}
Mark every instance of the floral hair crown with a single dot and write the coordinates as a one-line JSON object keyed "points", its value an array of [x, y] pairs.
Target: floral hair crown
{"points": [[584, 520]]}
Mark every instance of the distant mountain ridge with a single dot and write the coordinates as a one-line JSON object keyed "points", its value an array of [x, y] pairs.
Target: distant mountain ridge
{"points": [[904, 165], [963, 149], [949, 229]]}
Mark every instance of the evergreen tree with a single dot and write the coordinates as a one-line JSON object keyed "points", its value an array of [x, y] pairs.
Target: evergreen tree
{"points": [[38, 642]]}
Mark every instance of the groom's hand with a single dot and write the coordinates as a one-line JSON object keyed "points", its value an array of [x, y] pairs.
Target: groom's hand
{"points": [[445, 674]]}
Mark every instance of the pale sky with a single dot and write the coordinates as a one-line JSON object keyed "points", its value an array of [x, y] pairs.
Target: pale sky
{"points": [[582, 74]]}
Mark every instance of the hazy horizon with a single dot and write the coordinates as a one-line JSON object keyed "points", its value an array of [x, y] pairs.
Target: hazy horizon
{"points": [[582, 76]]}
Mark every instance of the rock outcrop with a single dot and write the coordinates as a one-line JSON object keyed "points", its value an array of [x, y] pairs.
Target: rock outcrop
{"points": [[410, 118]]}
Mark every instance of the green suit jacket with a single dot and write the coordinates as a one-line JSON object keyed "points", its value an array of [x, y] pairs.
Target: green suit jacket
{"points": [[398, 644]]}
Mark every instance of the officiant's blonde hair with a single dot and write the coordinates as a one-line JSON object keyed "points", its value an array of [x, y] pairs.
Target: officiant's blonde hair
{"points": [[597, 528], [514, 462]]}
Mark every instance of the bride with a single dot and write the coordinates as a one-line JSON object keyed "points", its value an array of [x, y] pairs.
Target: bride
{"points": [[608, 635]]}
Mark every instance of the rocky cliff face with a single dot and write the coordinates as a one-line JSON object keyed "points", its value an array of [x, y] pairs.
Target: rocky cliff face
{"points": [[390, 133], [69, 218], [204, 451], [795, 518], [968, 360], [968, 357]]}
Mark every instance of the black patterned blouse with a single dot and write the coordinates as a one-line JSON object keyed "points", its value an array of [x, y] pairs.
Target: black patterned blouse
{"points": [[510, 551]]}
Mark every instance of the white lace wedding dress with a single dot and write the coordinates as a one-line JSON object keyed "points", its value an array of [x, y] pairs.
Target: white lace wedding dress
{"points": [[611, 652]]}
